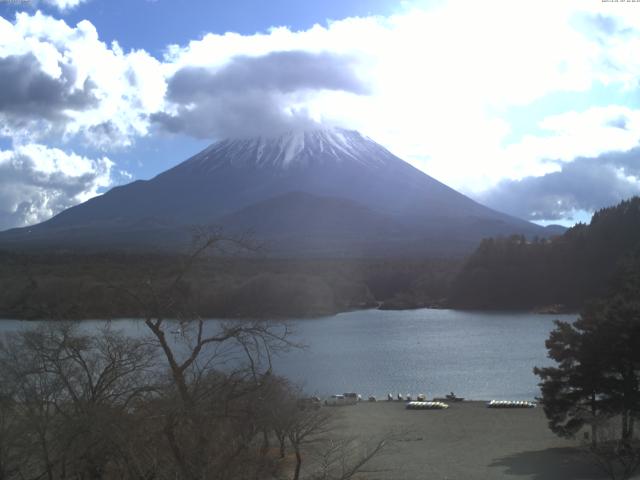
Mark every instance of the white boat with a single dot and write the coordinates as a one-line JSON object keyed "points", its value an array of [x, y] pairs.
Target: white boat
{"points": [[510, 404], [427, 406]]}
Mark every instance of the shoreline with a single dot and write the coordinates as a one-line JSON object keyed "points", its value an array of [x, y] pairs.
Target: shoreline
{"points": [[302, 316]]}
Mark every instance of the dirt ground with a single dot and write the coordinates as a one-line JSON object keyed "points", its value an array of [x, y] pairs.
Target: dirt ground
{"points": [[466, 441]]}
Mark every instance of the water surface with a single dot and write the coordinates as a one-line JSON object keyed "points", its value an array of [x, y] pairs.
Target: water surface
{"points": [[478, 355]]}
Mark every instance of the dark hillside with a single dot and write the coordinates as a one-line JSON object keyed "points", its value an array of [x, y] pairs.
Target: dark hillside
{"points": [[65, 285], [564, 271]]}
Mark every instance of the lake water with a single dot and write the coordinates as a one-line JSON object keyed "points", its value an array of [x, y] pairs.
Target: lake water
{"points": [[478, 355]]}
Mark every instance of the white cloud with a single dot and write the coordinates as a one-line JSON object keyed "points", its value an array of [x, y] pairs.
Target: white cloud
{"points": [[584, 184], [37, 182], [65, 4], [435, 75], [441, 79], [125, 86], [563, 138], [588, 160], [574, 134]]}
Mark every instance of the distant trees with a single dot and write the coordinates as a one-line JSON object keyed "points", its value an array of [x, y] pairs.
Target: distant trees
{"points": [[596, 382], [77, 285], [515, 272]]}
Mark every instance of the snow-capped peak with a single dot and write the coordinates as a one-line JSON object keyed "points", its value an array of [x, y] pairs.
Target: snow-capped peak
{"points": [[292, 149]]}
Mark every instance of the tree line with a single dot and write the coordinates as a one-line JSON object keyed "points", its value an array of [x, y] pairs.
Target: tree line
{"points": [[70, 285], [566, 271]]}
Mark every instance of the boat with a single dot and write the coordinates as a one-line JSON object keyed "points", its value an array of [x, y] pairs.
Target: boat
{"points": [[426, 406], [510, 404], [343, 399], [451, 397]]}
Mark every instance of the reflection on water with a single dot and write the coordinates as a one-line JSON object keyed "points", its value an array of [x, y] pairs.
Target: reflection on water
{"points": [[477, 355]]}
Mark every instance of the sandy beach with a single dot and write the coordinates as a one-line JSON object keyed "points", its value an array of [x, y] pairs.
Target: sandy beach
{"points": [[466, 441]]}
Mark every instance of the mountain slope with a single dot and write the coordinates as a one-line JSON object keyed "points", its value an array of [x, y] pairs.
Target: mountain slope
{"points": [[298, 223], [236, 174]]}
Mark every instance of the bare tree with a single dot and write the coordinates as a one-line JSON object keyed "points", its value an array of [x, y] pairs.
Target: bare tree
{"points": [[344, 458], [306, 427], [313, 433], [9, 431], [102, 406], [217, 369], [70, 394]]}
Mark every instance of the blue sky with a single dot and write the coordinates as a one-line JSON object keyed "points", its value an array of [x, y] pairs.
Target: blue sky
{"points": [[531, 108], [175, 21]]}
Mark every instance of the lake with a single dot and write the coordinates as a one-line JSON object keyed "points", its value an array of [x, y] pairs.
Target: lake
{"points": [[477, 355]]}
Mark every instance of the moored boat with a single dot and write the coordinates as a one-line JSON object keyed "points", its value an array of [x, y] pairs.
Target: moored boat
{"points": [[510, 404], [426, 406]]}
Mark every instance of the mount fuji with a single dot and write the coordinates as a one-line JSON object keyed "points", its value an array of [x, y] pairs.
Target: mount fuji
{"points": [[325, 192]]}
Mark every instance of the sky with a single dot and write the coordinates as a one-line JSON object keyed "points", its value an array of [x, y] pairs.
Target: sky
{"points": [[530, 107]]}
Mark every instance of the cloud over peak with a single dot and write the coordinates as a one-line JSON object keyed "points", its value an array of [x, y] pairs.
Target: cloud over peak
{"points": [[253, 95]]}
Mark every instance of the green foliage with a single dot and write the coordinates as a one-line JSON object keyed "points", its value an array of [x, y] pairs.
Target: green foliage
{"points": [[597, 376], [576, 392]]}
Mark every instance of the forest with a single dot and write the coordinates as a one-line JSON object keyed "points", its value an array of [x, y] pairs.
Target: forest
{"points": [[561, 273], [68, 285]]}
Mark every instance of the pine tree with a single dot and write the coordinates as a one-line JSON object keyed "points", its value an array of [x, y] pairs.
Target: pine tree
{"points": [[596, 381], [574, 393]]}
